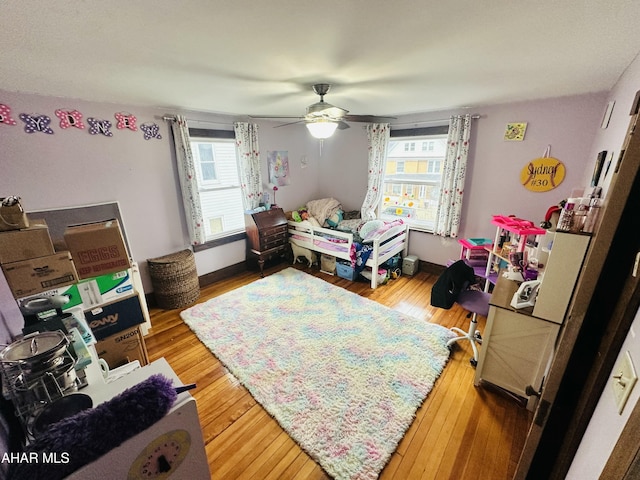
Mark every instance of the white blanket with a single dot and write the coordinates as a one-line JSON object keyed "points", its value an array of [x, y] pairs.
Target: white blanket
{"points": [[323, 208]]}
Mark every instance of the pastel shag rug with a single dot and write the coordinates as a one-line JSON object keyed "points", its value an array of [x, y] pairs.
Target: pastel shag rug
{"points": [[343, 375]]}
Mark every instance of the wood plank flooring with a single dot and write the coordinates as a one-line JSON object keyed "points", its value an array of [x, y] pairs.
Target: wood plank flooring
{"points": [[460, 432]]}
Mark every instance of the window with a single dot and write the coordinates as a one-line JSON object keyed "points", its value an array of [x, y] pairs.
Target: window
{"points": [[411, 191], [214, 154]]}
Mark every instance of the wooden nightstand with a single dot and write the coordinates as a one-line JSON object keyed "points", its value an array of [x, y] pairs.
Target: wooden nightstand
{"points": [[266, 236]]}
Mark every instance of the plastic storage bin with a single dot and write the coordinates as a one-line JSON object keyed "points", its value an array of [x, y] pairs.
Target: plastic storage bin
{"points": [[345, 270]]}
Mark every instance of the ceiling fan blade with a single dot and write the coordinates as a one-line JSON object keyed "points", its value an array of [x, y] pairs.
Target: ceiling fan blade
{"points": [[367, 118], [276, 117], [324, 109], [343, 125], [288, 123]]}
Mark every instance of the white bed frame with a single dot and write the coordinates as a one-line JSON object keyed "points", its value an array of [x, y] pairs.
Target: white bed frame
{"points": [[385, 246]]}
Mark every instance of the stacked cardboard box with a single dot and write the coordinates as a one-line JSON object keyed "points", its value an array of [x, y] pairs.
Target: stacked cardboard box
{"points": [[114, 314], [94, 273], [30, 263]]}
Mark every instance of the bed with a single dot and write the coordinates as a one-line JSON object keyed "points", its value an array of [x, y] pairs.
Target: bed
{"points": [[367, 245]]}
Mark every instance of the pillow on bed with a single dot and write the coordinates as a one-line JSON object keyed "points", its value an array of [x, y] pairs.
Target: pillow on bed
{"points": [[368, 229]]}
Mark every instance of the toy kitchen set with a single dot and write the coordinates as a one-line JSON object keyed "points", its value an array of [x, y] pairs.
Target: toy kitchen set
{"points": [[72, 326], [531, 273]]}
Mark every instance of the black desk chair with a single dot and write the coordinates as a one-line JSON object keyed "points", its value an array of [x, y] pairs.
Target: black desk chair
{"points": [[453, 287]]}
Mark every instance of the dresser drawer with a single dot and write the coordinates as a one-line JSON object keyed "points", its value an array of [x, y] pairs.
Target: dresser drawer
{"points": [[271, 241]]}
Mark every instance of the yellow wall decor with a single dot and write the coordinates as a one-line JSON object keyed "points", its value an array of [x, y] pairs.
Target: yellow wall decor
{"points": [[542, 174], [515, 132]]}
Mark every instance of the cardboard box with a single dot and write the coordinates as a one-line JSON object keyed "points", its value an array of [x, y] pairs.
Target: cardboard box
{"points": [[94, 292], [32, 242], [111, 318], [97, 248], [40, 274], [122, 348]]}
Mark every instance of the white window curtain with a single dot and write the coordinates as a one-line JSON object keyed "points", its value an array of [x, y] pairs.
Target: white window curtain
{"points": [[455, 168], [188, 180], [378, 136], [249, 162]]}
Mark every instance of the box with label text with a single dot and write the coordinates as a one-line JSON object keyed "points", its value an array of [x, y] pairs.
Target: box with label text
{"points": [[40, 274], [97, 248], [122, 348], [111, 318]]}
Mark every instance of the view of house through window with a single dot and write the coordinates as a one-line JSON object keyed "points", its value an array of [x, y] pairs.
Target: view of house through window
{"points": [[219, 186], [412, 179]]}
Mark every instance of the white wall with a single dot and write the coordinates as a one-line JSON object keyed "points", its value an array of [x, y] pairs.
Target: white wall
{"points": [[606, 424]]}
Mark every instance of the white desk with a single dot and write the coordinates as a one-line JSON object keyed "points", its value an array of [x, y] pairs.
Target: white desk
{"points": [[183, 417], [516, 346]]}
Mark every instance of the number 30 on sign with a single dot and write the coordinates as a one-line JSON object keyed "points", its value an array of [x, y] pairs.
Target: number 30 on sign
{"points": [[542, 174]]}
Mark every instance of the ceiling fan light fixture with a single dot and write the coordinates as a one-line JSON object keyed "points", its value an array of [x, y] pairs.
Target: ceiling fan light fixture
{"points": [[322, 128]]}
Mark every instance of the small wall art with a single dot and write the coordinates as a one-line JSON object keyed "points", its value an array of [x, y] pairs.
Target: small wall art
{"points": [[515, 132], [70, 118], [151, 130], [126, 120], [278, 163], [5, 115], [36, 123], [542, 174], [97, 126]]}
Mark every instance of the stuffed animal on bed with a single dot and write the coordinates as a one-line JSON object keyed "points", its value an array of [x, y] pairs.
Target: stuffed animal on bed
{"points": [[299, 251]]}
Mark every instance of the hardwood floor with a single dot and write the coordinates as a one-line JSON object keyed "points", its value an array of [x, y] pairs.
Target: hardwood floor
{"points": [[460, 432]]}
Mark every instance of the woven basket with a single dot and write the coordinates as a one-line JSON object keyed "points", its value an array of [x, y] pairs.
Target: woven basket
{"points": [[174, 279]]}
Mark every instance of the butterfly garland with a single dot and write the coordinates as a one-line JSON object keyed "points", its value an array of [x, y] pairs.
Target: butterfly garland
{"points": [[151, 130], [70, 118], [126, 120], [73, 118], [5, 115], [99, 126], [36, 123]]}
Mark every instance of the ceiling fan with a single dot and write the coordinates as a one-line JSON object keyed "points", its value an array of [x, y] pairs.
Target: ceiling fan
{"points": [[322, 118]]}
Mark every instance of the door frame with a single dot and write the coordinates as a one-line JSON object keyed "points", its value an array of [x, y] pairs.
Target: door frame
{"points": [[603, 307]]}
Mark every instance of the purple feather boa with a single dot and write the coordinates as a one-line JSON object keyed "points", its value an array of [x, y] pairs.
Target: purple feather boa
{"points": [[91, 433]]}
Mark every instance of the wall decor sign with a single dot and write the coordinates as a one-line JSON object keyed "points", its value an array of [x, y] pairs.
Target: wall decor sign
{"points": [[597, 169], [36, 123], [126, 120], [278, 163], [151, 130], [70, 118], [97, 126], [606, 118], [542, 174], [515, 132], [5, 115]]}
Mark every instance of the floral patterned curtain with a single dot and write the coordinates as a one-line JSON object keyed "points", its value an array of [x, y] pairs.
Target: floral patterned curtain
{"points": [[248, 152], [455, 167], [188, 181], [378, 135]]}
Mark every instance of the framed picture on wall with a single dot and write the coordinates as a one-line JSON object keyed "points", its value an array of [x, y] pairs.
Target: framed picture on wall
{"points": [[278, 163], [597, 169]]}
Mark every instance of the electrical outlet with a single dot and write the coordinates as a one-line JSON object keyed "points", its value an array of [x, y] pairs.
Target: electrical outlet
{"points": [[624, 379]]}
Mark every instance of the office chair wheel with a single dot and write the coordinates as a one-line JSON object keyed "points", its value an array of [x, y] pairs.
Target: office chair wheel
{"points": [[478, 337], [473, 362]]}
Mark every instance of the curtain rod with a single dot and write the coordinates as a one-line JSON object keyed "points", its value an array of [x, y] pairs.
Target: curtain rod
{"points": [[172, 118], [474, 116]]}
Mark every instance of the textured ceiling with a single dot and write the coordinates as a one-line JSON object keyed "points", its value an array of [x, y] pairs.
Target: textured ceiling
{"points": [[261, 57]]}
